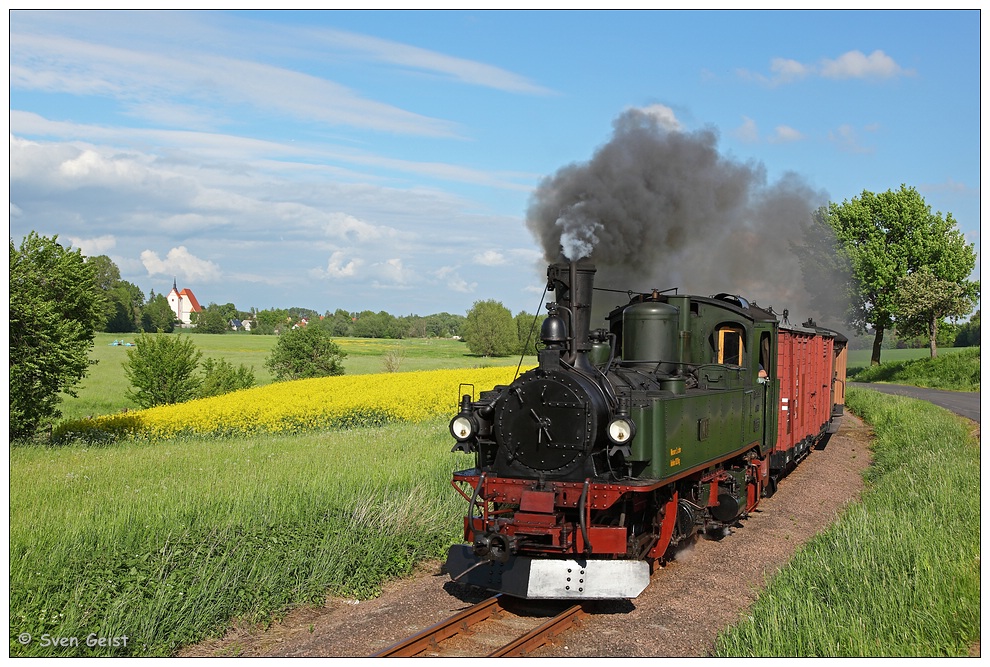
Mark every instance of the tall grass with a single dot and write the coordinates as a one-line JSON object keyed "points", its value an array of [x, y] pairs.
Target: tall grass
{"points": [[957, 372], [899, 573], [166, 542]]}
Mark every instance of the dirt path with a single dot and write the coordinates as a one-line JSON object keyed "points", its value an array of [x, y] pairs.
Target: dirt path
{"points": [[707, 588]]}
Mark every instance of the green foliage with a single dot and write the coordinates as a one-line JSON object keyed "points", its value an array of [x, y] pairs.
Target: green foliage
{"points": [[490, 331], [157, 315], [162, 369], [213, 319], [221, 377], [887, 236], [956, 372], [528, 330], [968, 334], [305, 352], [55, 309], [923, 301], [898, 574]]}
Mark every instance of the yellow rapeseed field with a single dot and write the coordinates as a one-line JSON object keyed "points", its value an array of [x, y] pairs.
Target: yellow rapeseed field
{"points": [[333, 402]]}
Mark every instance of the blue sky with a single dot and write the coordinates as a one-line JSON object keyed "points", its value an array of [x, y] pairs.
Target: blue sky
{"points": [[386, 160]]}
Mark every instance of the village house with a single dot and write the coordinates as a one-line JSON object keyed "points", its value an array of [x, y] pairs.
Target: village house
{"points": [[183, 304]]}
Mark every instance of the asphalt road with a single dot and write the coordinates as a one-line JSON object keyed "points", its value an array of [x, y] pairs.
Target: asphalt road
{"points": [[964, 403]]}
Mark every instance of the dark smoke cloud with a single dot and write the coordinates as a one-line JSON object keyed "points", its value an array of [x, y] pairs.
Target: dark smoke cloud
{"points": [[655, 208]]}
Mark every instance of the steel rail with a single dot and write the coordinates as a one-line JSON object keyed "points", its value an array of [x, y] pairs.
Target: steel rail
{"points": [[543, 634], [461, 623], [431, 637]]}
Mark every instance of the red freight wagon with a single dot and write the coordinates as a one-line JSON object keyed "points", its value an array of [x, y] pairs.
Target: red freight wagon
{"points": [[811, 370]]}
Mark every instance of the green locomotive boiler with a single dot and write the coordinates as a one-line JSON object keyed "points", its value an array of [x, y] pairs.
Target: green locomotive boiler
{"points": [[628, 440]]}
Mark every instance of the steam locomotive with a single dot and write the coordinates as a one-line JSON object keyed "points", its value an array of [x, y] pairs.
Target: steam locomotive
{"points": [[624, 442]]}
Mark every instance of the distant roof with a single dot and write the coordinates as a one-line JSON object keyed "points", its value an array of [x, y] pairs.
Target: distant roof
{"points": [[186, 292]]}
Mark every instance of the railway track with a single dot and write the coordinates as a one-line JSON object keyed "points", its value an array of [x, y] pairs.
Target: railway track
{"points": [[491, 629]]}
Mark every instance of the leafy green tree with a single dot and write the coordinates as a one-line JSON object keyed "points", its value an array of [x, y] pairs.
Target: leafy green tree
{"points": [[213, 319], [55, 309], [969, 332], [220, 377], [490, 330], [339, 323], [529, 333], [157, 315], [162, 369], [271, 321], [126, 304], [923, 301], [444, 325], [305, 352], [887, 236]]}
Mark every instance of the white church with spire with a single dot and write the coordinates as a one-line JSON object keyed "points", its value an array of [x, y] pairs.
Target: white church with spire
{"points": [[183, 304]]}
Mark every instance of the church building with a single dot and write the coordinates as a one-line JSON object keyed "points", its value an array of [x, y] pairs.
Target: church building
{"points": [[183, 304]]}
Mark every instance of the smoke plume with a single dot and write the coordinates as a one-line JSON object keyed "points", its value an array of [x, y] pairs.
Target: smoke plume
{"points": [[655, 208]]}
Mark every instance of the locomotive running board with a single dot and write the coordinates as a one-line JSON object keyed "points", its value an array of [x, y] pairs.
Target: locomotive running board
{"points": [[550, 578]]}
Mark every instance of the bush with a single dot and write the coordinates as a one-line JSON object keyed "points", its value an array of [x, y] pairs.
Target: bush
{"points": [[305, 352], [220, 377], [161, 368]]}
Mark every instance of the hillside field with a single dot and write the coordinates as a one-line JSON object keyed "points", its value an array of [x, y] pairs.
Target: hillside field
{"points": [[104, 390]]}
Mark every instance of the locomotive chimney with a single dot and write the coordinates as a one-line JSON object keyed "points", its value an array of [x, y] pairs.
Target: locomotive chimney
{"points": [[573, 284]]}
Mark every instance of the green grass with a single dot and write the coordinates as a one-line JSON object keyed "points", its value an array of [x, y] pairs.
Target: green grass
{"points": [[104, 389], [899, 573], [860, 359], [959, 371], [167, 542]]}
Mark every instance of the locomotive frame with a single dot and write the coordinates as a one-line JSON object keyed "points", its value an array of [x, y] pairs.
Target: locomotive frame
{"points": [[625, 442]]}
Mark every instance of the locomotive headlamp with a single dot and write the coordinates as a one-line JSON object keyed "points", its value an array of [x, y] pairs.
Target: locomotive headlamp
{"points": [[463, 427], [621, 430]]}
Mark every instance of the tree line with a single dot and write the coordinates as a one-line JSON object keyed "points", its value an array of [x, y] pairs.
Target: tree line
{"points": [[902, 268]]}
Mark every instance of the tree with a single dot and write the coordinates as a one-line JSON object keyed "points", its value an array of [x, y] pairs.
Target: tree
{"points": [[220, 377], [162, 369], [528, 331], [923, 301], [157, 315], [969, 332], [213, 319], [55, 309], [126, 303], [490, 331], [305, 352], [887, 236]]}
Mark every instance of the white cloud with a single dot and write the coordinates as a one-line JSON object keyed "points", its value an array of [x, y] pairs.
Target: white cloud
{"points": [[180, 262], [785, 134], [337, 268], [664, 116], [786, 70], [490, 258], [849, 65], [146, 79], [406, 56], [747, 132], [99, 245], [857, 65], [847, 139]]}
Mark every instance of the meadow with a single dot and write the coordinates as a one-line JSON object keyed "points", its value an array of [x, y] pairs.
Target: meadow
{"points": [[104, 389], [898, 574], [166, 537]]}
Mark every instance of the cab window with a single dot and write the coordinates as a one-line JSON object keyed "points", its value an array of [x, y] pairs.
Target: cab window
{"points": [[730, 345]]}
